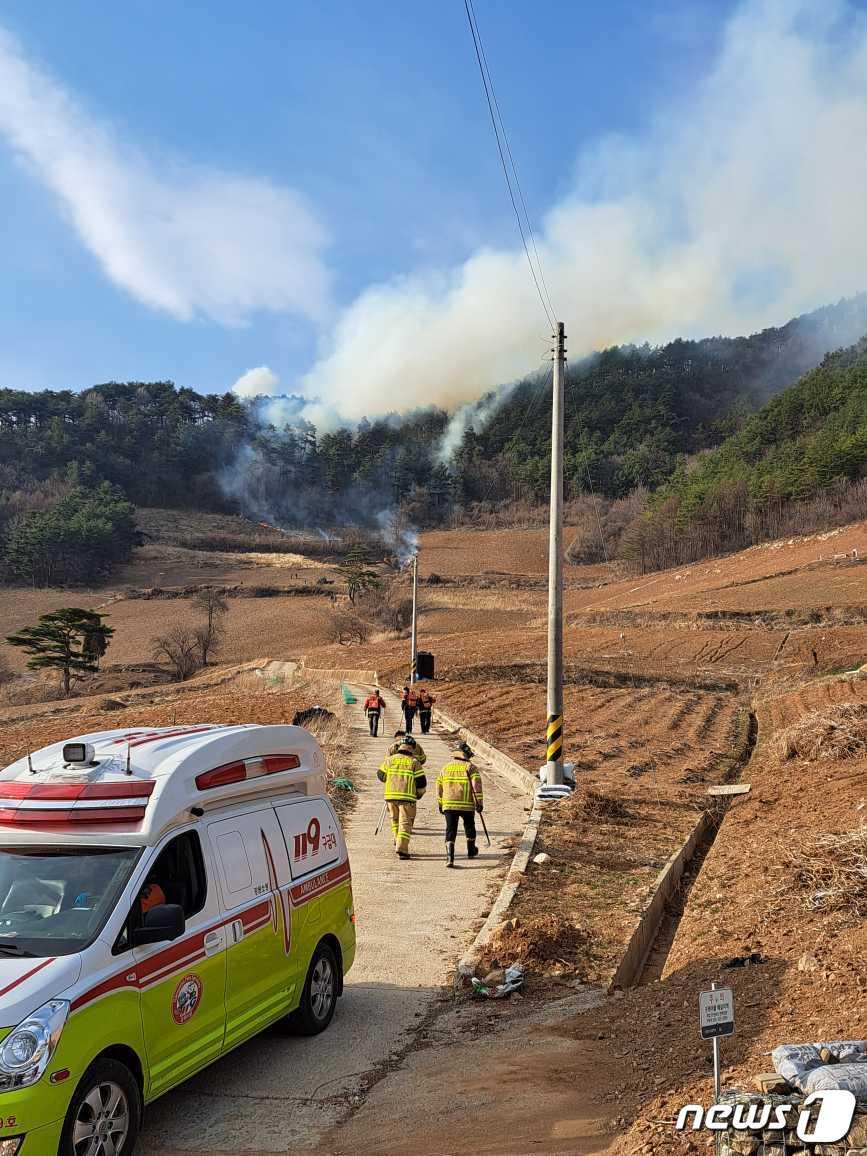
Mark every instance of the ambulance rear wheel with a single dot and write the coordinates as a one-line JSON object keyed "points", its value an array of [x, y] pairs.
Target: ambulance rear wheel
{"points": [[104, 1114], [319, 998]]}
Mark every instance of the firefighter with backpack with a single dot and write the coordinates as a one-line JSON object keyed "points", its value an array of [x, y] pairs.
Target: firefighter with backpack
{"points": [[425, 706], [460, 797], [409, 706], [374, 707]]}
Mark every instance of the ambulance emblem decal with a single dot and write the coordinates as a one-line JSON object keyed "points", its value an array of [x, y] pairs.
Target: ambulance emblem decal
{"points": [[186, 999]]}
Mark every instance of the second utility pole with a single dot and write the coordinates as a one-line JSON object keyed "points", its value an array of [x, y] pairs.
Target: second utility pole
{"points": [[413, 670], [554, 731]]}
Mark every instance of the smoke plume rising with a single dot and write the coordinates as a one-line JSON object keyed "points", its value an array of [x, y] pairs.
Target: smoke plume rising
{"points": [[740, 207]]}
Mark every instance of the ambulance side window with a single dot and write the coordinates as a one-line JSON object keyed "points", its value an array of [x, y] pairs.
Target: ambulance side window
{"points": [[236, 865], [177, 875]]}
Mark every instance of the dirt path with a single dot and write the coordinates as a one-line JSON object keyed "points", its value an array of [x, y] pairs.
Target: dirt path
{"points": [[278, 1094]]}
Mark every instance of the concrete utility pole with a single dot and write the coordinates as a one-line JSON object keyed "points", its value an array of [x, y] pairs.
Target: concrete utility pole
{"points": [[554, 732], [413, 670]]}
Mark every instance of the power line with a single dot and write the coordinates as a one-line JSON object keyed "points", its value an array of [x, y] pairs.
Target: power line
{"points": [[513, 165], [499, 128]]}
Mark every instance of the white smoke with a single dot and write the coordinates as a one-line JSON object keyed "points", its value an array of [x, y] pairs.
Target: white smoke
{"points": [[473, 414], [186, 240], [740, 207], [257, 382]]}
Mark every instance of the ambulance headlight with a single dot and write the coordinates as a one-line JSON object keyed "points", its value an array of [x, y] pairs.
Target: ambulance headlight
{"points": [[26, 1051]]}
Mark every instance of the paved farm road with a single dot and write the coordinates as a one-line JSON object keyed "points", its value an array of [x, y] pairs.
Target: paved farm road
{"points": [[279, 1094]]}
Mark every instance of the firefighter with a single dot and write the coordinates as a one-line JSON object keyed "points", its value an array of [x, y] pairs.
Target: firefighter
{"points": [[374, 706], [459, 796], [405, 783], [409, 705], [399, 738], [425, 706]]}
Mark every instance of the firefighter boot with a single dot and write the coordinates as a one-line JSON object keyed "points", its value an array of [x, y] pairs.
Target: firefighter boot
{"points": [[472, 849], [450, 854]]}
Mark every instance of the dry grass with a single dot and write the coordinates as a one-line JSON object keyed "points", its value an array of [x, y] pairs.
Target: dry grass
{"points": [[837, 732], [597, 805], [828, 872]]}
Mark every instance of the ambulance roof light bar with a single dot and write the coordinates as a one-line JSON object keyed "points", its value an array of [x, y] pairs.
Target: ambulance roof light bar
{"points": [[245, 770]]}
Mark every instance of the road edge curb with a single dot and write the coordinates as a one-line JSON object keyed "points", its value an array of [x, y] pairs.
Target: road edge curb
{"points": [[468, 962], [500, 762]]}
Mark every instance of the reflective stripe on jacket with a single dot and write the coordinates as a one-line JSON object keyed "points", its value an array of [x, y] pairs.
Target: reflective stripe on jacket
{"points": [[403, 777], [418, 752], [454, 792]]}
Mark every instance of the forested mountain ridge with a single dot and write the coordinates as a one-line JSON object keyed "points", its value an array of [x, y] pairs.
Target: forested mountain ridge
{"points": [[638, 419], [790, 465], [631, 411]]}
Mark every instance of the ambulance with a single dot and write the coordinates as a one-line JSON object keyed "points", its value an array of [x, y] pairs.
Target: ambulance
{"points": [[165, 895]]}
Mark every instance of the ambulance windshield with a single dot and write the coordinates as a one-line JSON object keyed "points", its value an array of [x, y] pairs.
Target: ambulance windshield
{"points": [[55, 900]]}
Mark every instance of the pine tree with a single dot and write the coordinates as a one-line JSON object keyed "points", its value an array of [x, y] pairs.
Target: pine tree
{"points": [[355, 568], [70, 640]]}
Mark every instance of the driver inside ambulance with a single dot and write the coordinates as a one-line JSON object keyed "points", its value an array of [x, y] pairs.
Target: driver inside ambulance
{"points": [[151, 895]]}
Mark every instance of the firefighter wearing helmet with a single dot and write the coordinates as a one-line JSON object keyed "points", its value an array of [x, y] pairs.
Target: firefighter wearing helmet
{"points": [[460, 797], [405, 783]]}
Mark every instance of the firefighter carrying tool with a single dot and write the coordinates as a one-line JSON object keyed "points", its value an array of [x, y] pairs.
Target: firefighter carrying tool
{"points": [[460, 796], [425, 705], [405, 783], [374, 706]]}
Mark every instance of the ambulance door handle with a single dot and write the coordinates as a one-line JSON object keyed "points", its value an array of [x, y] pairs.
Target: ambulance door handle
{"points": [[237, 929], [213, 942]]}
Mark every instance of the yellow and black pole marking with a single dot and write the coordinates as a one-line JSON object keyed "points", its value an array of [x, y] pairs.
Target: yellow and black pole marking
{"points": [[555, 738]]}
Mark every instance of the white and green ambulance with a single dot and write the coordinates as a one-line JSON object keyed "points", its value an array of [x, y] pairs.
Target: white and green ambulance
{"points": [[164, 895]]}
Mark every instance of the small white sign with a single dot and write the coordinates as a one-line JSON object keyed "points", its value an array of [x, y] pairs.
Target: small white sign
{"points": [[716, 1013]]}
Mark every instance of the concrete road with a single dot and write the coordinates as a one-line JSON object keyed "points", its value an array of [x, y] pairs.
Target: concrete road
{"points": [[415, 917]]}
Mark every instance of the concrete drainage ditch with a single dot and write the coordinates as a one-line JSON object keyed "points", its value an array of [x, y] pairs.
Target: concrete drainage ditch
{"points": [[648, 949]]}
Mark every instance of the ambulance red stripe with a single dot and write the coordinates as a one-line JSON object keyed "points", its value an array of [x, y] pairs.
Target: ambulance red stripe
{"points": [[190, 950], [319, 884], [138, 740], [139, 788], [27, 975], [36, 817]]}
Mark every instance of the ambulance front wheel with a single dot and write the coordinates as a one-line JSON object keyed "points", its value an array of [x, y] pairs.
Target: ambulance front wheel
{"points": [[104, 1115], [319, 998]]}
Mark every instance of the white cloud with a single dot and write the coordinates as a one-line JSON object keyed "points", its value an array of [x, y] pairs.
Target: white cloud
{"points": [[188, 241], [740, 207], [259, 382]]}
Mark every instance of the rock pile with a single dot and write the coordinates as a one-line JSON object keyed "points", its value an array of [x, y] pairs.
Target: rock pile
{"points": [[761, 1106]]}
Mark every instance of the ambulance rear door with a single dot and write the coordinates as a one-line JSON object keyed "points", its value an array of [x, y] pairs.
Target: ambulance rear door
{"points": [[262, 973], [317, 852]]}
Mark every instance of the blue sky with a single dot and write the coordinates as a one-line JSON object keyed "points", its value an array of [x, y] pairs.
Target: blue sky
{"points": [[373, 111], [191, 190]]}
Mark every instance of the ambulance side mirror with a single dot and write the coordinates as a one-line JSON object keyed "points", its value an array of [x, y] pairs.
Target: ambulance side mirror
{"points": [[163, 922]]}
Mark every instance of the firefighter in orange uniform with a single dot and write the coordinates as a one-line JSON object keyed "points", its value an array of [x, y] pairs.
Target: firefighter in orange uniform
{"points": [[425, 705], [374, 707], [409, 705]]}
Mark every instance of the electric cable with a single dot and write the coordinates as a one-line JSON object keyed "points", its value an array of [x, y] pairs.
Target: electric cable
{"points": [[490, 98], [512, 163]]}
